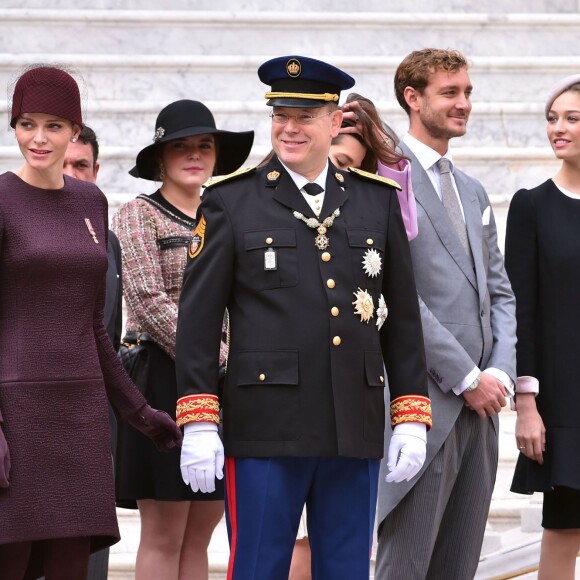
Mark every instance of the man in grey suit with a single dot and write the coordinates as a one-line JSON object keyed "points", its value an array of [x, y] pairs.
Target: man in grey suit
{"points": [[432, 526]]}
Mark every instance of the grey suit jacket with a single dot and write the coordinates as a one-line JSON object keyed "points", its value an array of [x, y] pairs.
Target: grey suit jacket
{"points": [[468, 314]]}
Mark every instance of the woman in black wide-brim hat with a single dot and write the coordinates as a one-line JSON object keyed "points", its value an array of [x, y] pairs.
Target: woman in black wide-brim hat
{"points": [[155, 231]]}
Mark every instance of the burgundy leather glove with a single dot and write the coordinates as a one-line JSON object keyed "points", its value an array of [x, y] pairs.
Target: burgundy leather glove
{"points": [[158, 426], [4, 459]]}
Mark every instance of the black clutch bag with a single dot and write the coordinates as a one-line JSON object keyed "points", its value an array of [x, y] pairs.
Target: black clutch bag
{"points": [[134, 355]]}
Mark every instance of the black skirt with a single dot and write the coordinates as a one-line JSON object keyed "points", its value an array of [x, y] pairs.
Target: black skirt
{"points": [[561, 467], [142, 472]]}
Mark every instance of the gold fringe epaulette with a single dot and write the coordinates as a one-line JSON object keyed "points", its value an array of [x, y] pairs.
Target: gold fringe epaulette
{"points": [[220, 179], [375, 177]]}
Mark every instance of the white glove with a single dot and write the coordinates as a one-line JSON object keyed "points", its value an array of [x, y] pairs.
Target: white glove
{"points": [[202, 456], [407, 451]]}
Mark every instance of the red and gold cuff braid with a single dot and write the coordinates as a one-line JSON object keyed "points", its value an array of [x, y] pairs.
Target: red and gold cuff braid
{"points": [[197, 408], [411, 408]]}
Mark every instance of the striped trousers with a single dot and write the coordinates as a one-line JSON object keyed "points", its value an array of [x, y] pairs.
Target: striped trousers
{"points": [[436, 531]]}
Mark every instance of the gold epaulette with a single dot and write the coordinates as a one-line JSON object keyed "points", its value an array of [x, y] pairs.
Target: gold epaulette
{"points": [[375, 177], [220, 179]]}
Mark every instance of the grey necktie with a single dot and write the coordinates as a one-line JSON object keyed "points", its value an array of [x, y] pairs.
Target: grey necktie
{"points": [[451, 203]]}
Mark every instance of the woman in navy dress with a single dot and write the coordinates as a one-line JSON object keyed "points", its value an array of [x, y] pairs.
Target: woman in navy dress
{"points": [[542, 261], [57, 364]]}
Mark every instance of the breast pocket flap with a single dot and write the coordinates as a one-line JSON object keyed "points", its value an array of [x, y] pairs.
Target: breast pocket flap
{"points": [[366, 239], [277, 367], [274, 238]]}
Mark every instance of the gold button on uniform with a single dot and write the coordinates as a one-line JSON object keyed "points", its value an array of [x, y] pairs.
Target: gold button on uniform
{"points": [[269, 240], [262, 377], [336, 340], [330, 283], [325, 257], [382, 379], [370, 241], [334, 311]]}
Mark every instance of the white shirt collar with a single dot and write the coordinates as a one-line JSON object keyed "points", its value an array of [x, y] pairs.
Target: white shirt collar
{"points": [[301, 181], [426, 156]]}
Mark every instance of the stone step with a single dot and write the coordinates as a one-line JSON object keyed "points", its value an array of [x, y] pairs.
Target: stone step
{"points": [[328, 6], [335, 33], [512, 125], [140, 77], [501, 170]]}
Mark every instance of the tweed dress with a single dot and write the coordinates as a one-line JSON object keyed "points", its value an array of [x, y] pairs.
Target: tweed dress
{"points": [[57, 364], [154, 237]]}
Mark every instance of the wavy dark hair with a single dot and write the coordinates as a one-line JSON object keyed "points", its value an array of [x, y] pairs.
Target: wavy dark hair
{"points": [[374, 131]]}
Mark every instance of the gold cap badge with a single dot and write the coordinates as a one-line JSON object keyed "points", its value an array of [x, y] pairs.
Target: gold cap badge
{"points": [[293, 68]]}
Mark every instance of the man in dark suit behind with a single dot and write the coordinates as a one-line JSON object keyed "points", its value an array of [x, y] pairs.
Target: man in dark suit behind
{"points": [[432, 527], [81, 162]]}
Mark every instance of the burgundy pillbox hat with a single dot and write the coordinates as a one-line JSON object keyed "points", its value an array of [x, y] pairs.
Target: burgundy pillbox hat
{"points": [[48, 90]]}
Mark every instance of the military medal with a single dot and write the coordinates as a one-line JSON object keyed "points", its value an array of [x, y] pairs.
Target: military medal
{"points": [[321, 241], [382, 312], [372, 263], [91, 230], [270, 259], [363, 305]]}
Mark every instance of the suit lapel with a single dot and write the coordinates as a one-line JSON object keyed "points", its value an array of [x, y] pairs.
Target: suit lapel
{"points": [[286, 192], [335, 193], [427, 197], [111, 288], [284, 189]]}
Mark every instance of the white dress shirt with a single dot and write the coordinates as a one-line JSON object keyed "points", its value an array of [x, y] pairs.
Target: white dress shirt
{"points": [[314, 201]]}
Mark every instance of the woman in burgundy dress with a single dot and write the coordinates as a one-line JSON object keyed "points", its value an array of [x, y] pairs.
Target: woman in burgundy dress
{"points": [[57, 364]]}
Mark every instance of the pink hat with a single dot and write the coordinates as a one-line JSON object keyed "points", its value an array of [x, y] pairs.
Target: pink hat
{"points": [[49, 90], [560, 87]]}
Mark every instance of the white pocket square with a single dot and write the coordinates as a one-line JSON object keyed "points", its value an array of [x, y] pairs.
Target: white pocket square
{"points": [[486, 215]]}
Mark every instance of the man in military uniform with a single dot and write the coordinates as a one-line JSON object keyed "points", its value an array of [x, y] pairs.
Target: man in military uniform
{"points": [[314, 268]]}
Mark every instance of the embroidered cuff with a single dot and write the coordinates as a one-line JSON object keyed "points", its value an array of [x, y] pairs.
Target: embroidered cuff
{"points": [[411, 408], [195, 408]]}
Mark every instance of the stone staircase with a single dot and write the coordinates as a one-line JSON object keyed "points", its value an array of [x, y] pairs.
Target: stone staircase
{"points": [[136, 56]]}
